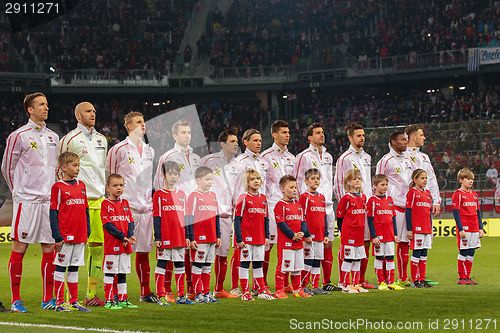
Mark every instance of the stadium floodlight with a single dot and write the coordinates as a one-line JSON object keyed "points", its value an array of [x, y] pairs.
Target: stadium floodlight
{"points": [[52, 69], [285, 96], [156, 104], [462, 88]]}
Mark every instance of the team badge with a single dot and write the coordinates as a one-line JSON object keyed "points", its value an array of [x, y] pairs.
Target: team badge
{"points": [[160, 252], [245, 253], [307, 252], [182, 166], [413, 159], [24, 235], [33, 145], [398, 170], [60, 257], [314, 164], [355, 167], [464, 242], [50, 139], [347, 252], [109, 265], [131, 160], [377, 248], [217, 172], [99, 142], [201, 254], [286, 263], [419, 242], [272, 237], [276, 165]]}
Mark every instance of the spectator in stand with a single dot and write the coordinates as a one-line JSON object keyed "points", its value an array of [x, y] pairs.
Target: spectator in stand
{"points": [[492, 176]]}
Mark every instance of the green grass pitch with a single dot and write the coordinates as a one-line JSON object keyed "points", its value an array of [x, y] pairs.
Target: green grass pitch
{"points": [[449, 306]]}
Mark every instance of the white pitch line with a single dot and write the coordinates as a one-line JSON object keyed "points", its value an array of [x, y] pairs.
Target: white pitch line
{"points": [[73, 328]]}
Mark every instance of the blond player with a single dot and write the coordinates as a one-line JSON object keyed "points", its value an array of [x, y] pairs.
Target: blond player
{"points": [[219, 162], [182, 154], [316, 157], [133, 159], [397, 167], [355, 158], [91, 147], [250, 159], [28, 166]]}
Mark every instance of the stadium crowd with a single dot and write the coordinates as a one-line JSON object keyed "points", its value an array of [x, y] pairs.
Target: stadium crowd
{"points": [[284, 32], [254, 33], [279, 32], [428, 27], [126, 35]]}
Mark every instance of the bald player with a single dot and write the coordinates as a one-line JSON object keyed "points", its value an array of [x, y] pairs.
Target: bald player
{"points": [[91, 147]]}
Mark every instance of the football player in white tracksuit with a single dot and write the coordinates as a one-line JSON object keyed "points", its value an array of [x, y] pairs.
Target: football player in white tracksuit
{"points": [[220, 162], [397, 167], [420, 160], [281, 163], [28, 166], [92, 147], [356, 158], [316, 157], [132, 158], [250, 159], [182, 154]]}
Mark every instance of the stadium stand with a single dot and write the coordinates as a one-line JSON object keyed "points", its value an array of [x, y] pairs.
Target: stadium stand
{"points": [[128, 35]]}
